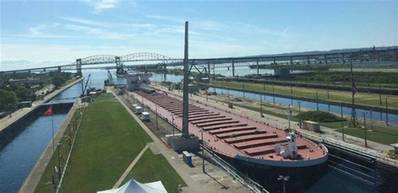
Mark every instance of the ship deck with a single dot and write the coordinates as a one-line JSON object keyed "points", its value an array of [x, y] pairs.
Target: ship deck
{"points": [[227, 133]]}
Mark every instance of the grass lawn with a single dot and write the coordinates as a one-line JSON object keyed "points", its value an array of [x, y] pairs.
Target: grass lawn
{"points": [[302, 92], [153, 167], [108, 140], [384, 135]]}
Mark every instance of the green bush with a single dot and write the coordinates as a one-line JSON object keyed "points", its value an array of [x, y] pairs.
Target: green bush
{"points": [[319, 116]]}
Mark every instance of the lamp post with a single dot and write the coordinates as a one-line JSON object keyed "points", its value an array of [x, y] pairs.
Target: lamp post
{"points": [[290, 114], [203, 153], [284, 179], [156, 113], [365, 129], [299, 106], [342, 131], [386, 111]]}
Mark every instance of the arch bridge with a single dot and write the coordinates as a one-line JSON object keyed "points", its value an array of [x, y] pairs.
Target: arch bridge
{"points": [[275, 61]]}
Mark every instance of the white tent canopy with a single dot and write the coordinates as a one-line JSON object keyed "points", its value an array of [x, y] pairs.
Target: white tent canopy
{"points": [[133, 186]]}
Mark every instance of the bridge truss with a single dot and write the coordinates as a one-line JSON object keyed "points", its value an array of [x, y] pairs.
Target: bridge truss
{"points": [[145, 59]]}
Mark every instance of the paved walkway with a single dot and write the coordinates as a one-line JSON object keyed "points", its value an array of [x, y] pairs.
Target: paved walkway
{"points": [[130, 167], [16, 115]]}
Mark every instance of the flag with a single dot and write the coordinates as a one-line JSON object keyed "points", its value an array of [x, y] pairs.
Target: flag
{"points": [[354, 88], [49, 111]]}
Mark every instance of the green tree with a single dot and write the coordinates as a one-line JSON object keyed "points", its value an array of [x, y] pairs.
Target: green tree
{"points": [[24, 94], [58, 80], [8, 100]]}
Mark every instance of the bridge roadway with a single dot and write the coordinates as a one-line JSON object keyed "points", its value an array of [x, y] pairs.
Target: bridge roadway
{"points": [[324, 57]]}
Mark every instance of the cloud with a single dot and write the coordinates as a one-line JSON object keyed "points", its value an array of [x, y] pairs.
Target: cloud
{"points": [[84, 21], [37, 30], [101, 5], [100, 33], [165, 18]]}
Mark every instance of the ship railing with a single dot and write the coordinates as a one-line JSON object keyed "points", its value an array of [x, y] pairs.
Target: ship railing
{"points": [[353, 148], [246, 181]]}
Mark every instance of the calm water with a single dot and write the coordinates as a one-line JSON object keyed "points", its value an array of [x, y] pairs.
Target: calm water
{"points": [[19, 156]]}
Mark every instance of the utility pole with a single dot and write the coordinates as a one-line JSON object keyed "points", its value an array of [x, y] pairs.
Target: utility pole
{"points": [[328, 90], [299, 106], [291, 94], [353, 91], [365, 129], [290, 115], [157, 124], [273, 93], [203, 153], [243, 89], [261, 100], [261, 105], [317, 101], [386, 111], [380, 102], [341, 110], [342, 131]]}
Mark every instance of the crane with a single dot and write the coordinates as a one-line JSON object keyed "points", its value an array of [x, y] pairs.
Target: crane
{"points": [[84, 86]]}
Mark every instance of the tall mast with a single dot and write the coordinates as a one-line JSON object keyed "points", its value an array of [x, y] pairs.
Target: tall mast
{"points": [[185, 110]]}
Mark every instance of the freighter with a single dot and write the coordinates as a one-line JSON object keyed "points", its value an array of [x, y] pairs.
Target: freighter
{"points": [[236, 136]]}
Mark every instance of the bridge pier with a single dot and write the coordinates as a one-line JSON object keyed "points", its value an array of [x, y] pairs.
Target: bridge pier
{"points": [[59, 68], [119, 66], [343, 57], [233, 68], [79, 67], [258, 67], [325, 58], [208, 70], [164, 71]]}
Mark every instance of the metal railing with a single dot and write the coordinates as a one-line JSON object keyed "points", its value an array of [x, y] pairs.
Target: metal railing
{"points": [[246, 181], [353, 148]]}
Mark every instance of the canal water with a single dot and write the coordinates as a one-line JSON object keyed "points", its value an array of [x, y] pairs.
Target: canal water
{"points": [[285, 101], [20, 155]]}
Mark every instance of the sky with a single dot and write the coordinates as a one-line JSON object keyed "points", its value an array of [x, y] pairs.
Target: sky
{"points": [[41, 33]]}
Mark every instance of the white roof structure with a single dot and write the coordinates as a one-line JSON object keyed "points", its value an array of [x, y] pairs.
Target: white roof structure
{"points": [[132, 186]]}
